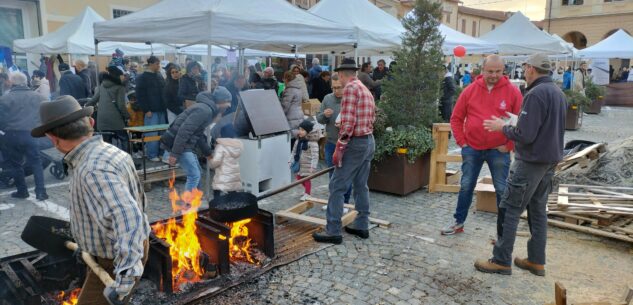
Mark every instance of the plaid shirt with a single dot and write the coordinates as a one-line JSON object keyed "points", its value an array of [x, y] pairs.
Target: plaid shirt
{"points": [[358, 111], [106, 210]]}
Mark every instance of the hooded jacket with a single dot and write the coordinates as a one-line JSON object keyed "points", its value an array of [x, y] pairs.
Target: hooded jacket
{"points": [[291, 103], [227, 166], [110, 101], [187, 130], [476, 104], [310, 157]]}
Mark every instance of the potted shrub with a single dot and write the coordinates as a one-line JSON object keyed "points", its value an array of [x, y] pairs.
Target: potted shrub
{"points": [[595, 93], [576, 101], [409, 105]]}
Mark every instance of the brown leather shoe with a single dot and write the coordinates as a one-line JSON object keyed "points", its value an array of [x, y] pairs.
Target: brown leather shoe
{"points": [[488, 266], [525, 264]]}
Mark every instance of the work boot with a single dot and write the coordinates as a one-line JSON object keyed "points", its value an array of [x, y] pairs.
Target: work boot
{"points": [[364, 234], [525, 264], [323, 237], [453, 228], [41, 196], [20, 195], [488, 266]]}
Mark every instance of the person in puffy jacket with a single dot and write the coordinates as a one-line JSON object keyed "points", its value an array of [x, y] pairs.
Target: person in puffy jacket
{"points": [[291, 101], [306, 152], [186, 133], [226, 162], [110, 100], [490, 95]]}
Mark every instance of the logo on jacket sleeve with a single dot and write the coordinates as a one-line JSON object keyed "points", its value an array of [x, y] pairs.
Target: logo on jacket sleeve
{"points": [[503, 105]]}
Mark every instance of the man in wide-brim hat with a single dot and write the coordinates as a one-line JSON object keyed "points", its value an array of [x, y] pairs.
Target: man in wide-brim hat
{"points": [[352, 157], [107, 200]]}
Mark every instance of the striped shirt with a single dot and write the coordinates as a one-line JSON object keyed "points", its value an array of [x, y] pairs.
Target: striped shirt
{"points": [[106, 210], [357, 111]]}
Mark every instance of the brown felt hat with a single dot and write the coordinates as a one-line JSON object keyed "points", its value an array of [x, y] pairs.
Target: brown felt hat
{"points": [[59, 112]]}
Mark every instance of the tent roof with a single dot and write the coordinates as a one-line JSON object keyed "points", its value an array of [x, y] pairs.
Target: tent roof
{"points": [[618, 45], [453, 38], [378, 32], [273, 25], [518, 35], [222, 51], [76, 37]]}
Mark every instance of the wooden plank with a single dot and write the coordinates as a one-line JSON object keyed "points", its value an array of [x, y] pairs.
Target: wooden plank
{"points": [[381, 223], [447, 188], [560, 294], [602, 208], [598, 187], [562, 198], [589, 230], [349, 217], [628, 295], [449, 158], [146, 139], [300, 208], [300, 217]]}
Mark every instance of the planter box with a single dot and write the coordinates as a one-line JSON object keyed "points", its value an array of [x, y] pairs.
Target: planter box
{"points": [[595, 107], [395, 175], [573, 121]]}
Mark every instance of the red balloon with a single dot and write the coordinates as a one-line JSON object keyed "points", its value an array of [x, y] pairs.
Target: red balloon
{"points": [[459, 51]]}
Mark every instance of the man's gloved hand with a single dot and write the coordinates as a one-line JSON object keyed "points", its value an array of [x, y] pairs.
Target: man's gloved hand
{"points": [[337, 158], [112, 296]]}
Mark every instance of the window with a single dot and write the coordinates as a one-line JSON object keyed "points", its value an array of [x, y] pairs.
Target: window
{"points": [[11, 24], [474, 29], [116, 13], [464, 26], [573, 2]]}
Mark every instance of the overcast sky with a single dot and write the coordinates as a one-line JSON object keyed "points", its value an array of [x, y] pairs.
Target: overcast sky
{"points": [[534, 9]]}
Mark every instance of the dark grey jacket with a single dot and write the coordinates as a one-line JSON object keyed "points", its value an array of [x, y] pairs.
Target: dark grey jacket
{"points": [[539, 133], [149, 92], [187, 131], [20, 109], [111, 107], [334, 103], [73, 85]]}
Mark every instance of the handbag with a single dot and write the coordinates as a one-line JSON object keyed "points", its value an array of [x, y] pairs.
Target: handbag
{"points": [[295, 166]]}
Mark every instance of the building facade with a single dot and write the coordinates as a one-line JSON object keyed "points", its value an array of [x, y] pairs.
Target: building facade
{"points": [[587, 22]]}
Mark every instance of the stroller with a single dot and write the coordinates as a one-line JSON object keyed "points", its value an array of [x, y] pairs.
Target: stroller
{"points": [[47, 157]]}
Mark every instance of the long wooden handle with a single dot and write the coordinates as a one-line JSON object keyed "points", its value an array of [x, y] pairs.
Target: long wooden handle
{"points": [[90, 261], [291, 185]]}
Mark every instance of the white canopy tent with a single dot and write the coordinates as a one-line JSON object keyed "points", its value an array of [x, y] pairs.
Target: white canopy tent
{"points": [[223, 51], [380, 33], [272, 25], [518, 35], [77, 37], [618, 45]]}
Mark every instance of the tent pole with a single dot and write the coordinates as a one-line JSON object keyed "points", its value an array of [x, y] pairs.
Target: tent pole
{"points": [[97, 60]]}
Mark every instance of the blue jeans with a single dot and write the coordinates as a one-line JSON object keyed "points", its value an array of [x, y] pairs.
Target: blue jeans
{"points": [[472, 161], [157, 118], [329, 152], [356, 165], [189, 163], [20, 146]]}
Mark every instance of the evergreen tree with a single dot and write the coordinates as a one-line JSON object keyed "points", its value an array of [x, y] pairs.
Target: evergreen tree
{"points": [[412, 93]]}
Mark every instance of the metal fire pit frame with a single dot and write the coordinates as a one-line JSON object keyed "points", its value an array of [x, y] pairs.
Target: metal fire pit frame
{"points": [[159, 263]]}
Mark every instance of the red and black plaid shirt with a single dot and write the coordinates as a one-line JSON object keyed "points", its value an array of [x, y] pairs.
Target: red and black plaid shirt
{"points": [[358, 111]]}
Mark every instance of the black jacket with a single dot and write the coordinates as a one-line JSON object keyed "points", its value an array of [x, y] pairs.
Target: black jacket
{"points": [[149, 92], [320, 88], [86, 78], [448, 89], [187, 131], [73, 85], [539, 133], [174, 103], [188, 88], [376, 75], [235, 92]]}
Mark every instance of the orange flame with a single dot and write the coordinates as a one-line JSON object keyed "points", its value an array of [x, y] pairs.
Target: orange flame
{"points": [[184, 247], [239, 242], [69, 299]]}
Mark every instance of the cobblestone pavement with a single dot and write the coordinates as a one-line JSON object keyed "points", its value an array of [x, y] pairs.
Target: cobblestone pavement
{"points": [[409, 263]]}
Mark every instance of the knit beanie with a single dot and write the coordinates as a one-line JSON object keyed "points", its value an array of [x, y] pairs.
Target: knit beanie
{"points": [[307, 125]]}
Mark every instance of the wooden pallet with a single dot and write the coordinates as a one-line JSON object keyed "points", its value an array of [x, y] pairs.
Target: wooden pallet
{"points": [[560, 295], [439, 158], [297, 213], [583, 157]]}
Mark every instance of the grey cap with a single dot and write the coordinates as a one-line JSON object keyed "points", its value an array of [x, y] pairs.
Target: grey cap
{"points": [[221, 94], [539, 60]]}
